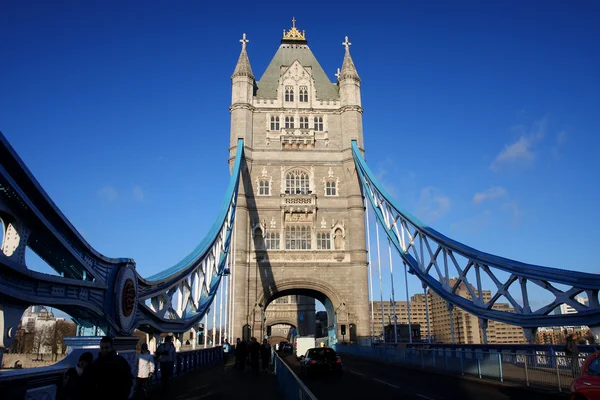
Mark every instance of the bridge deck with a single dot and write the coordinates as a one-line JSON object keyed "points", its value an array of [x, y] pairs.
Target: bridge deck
{"points": [[222, 383]]}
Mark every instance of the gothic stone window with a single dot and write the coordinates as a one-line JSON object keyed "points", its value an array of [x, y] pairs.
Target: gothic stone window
{"points": [[289, 93], [303, 122], [318, 124], [274, 123], [289, 122], [303, 94], [264, 188], [272, 240], [297, 182], [324, 240], [297, 237], [330, 188]]}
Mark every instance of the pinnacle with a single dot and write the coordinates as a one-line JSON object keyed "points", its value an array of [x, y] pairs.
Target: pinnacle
{"points": [[348, 68], [242, 67]]}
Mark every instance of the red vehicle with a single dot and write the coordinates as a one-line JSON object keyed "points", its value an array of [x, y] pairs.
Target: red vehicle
{"points": [[587, 385]]}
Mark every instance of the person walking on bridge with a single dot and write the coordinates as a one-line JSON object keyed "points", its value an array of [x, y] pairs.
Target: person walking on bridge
{"points": [[265, 355], [572, 351], [241, 352], [112, 373], [166, 358]]}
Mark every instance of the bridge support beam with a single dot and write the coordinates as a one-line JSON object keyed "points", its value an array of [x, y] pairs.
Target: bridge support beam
{"points": [[483, 325], [595, 333], [530, 334], [10, 316], [450, 307]]}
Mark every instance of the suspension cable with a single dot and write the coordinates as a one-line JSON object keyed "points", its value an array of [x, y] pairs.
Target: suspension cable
{"points": [[380, 281], [370, 271], [407, 303], [393, 295]]}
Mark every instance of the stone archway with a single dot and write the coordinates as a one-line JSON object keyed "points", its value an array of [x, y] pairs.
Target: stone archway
{"points": [[335, 306]]}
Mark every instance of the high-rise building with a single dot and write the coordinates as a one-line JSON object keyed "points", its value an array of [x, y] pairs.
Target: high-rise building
{"points": [[466, 326]]}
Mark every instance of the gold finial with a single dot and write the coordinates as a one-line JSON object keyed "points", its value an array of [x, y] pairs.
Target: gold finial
{"points": [[294, 33], [243, 40], [347, 44]]}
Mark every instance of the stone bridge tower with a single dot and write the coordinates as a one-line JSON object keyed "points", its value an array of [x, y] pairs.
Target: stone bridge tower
{"points": [[300, 225]]}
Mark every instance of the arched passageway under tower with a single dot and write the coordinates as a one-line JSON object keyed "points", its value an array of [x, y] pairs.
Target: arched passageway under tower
{"points": [[335, 308]]}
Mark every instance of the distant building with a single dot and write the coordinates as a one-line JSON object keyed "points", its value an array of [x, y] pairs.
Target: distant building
{"points": [[466, 326], [321, 324]]}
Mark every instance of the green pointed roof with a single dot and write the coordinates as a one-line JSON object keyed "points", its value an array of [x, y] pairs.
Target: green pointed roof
{"points": [[285, 56]]}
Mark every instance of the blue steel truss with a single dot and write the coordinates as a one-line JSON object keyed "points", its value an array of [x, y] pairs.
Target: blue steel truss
{"points": [[92, 288], [443, 264]]}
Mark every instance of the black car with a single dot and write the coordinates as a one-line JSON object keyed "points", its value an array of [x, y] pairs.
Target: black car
{"points": [[287, 348], [321, 360]]}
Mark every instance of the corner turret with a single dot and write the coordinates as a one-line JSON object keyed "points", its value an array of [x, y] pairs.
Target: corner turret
{"points": [[349, 89], [242, 95]]}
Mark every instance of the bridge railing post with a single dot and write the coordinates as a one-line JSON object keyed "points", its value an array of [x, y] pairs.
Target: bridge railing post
{"points": [[500, 367], [526, 371], [557, 372]]}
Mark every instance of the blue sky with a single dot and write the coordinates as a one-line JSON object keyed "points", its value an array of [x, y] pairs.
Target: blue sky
{"points": [[480, 117]]}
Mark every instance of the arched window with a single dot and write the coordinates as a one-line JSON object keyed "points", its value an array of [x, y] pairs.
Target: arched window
{"points": [[297, 237], [272, 240], [330, 188], [303, 122], [289, 93], [303, 94], [274, 123], [289, 122], [324, 240], [264, 188], [318, 124], [297, 182]]}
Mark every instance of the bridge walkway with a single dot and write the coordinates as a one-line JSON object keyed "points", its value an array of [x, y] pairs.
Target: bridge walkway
{"points": [[221, 382]]}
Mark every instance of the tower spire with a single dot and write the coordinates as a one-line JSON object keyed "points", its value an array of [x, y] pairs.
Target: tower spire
{"points": [[348, 68], [294, 36], [243, 65]]}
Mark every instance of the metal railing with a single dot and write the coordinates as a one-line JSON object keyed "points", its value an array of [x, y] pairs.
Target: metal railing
{"points": [[48, 382], [541, 370], [291, 386]]}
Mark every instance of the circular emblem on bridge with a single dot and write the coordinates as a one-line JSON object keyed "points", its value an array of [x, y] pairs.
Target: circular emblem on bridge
{"points": [[126, 298]]}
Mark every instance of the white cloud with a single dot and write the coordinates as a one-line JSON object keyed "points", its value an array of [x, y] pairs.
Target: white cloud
{"points": [[490, 194], [432, 204], [108, 193], [521, 153], [138, 193]]}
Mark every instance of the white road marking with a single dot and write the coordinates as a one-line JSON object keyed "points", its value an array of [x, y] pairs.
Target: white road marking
{"points": [[386, 383], [424, 397], [354, 372]]}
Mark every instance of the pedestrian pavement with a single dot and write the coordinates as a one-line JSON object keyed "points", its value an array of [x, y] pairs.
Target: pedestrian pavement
{"points": [[221, 382]]}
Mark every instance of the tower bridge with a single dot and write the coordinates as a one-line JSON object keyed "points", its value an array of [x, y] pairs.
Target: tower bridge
{"points": [[296, 220]]}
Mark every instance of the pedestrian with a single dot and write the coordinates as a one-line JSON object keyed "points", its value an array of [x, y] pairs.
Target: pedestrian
{"points": [[241, 352], [80, 380], [572, 352], [112, 374], [145, 363], [265, 355], [226, 351], [166, 358], [254, 352]]}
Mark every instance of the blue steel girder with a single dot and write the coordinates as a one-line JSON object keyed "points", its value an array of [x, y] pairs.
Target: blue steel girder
{"points": [[443, 264], [93, 288]]}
